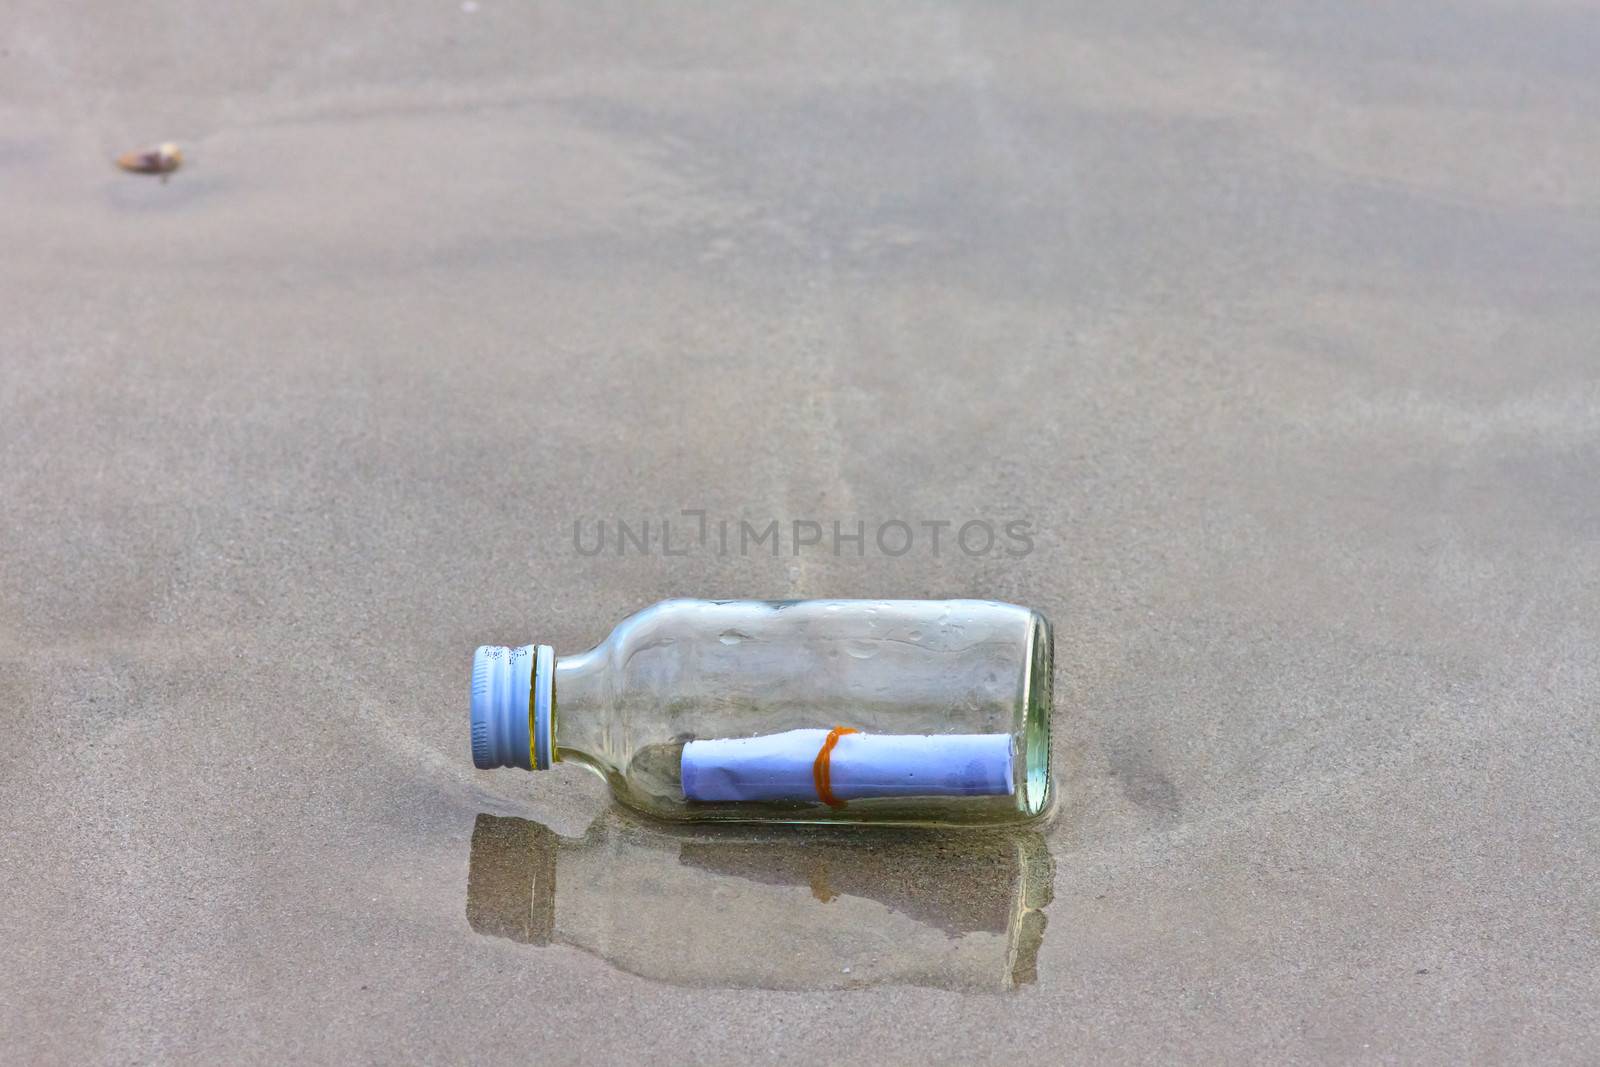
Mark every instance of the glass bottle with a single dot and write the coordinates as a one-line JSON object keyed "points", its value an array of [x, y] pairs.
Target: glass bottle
{"points": [[768, 907], [910, 712]]}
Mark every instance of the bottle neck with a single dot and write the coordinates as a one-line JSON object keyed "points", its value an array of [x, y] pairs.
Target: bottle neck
{"points": [[581, 709]]}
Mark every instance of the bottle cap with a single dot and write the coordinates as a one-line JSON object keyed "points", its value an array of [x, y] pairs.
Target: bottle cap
{"points": [[511, 698]]}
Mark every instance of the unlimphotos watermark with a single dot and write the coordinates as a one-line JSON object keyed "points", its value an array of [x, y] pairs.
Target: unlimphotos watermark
{"points": [[694, 531]]}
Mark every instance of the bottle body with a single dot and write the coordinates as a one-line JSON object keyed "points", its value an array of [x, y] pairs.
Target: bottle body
{"points": [[828, 711]]}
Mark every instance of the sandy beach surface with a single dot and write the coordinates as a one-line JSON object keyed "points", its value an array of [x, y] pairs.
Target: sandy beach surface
{"points": [[1277, 325]]}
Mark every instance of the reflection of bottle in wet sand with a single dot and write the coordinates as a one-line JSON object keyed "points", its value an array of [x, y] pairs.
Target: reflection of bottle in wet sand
{"points": [[769, 909]]}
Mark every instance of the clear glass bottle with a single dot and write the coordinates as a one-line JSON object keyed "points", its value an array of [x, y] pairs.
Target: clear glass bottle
{"points": [[769, 907], [906, 712]]}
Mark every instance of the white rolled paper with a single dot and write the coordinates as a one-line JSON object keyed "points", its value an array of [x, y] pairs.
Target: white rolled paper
{"points": [[782, 766]]}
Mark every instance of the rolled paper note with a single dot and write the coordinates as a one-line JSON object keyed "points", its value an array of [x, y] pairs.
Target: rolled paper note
{"points": [[786, 766]]}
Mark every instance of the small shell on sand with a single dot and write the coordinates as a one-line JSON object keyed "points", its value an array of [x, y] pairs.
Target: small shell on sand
{"points": [[163, 159]]}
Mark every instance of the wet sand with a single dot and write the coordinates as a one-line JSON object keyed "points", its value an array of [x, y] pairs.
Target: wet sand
{"points": [[1278, 326]]}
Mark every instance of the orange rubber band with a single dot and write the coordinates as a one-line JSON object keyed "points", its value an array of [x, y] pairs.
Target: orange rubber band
{"points": [[820, 770]]}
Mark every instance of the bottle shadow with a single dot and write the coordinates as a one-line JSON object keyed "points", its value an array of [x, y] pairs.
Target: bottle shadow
{"points": [[770, 907]]}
